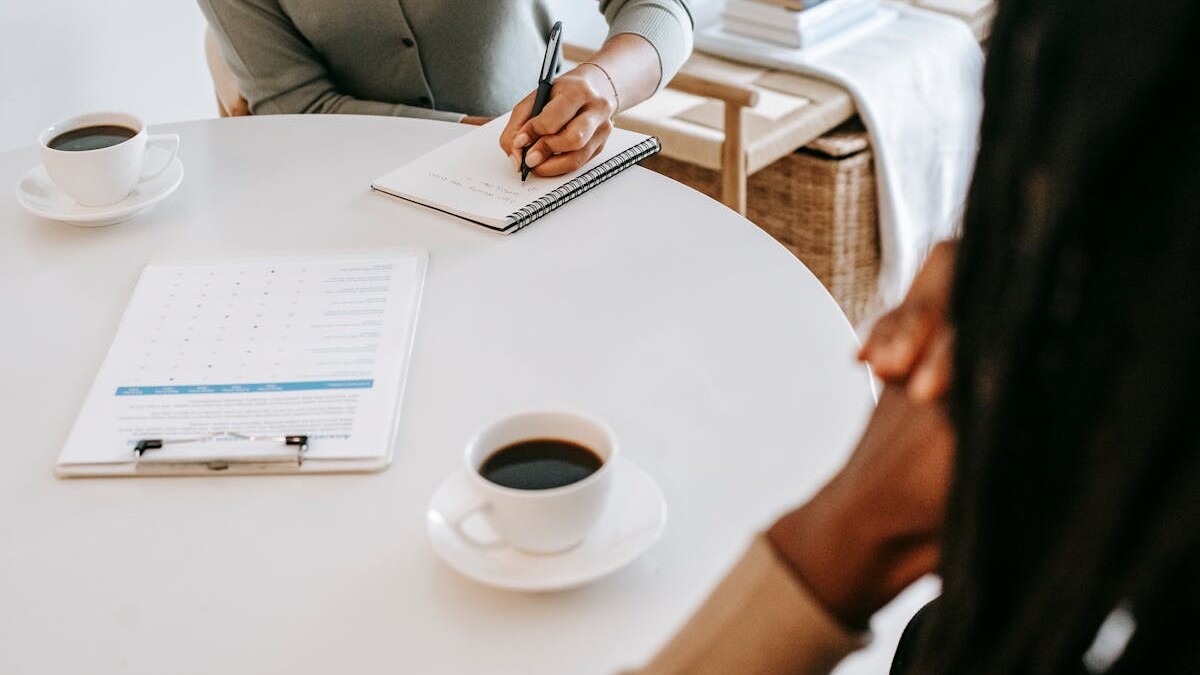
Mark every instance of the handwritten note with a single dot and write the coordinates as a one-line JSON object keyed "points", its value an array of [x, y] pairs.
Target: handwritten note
{"points": [[472, 178], [514, 196]]}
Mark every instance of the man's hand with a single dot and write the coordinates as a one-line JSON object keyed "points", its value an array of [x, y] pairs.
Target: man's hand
{"points": [[876, 527], [912, 345]]}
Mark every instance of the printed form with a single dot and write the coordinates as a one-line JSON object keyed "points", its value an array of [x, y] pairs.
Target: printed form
{"points": [[316, 347]]}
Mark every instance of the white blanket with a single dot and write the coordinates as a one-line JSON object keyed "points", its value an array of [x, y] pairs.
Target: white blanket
{"points": [[916, 77]]}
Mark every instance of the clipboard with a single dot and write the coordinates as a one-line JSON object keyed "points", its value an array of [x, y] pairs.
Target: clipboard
{"points": [[257, 365]]}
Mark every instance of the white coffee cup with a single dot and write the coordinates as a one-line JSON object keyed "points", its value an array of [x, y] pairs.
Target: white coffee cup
{"points": [[105, 175], [538, 520]]}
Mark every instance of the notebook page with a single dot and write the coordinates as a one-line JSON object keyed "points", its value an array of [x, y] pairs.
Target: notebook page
{"points": [[472, 178]]}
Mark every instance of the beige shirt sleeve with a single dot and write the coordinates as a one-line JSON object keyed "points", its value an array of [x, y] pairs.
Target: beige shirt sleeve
{"points": [[760, 620]]}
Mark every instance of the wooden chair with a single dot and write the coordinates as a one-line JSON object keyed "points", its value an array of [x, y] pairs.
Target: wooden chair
{"points": [[230, 102], [735, 99]]}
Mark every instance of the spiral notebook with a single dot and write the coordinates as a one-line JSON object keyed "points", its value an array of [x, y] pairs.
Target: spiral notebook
{"points": [[471, 178]]}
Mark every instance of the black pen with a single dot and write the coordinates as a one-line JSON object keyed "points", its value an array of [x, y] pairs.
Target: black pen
{"points": [[550, 64]]}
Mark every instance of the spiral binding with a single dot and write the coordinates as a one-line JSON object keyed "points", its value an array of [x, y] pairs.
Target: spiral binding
{"points": [[582, 183]]}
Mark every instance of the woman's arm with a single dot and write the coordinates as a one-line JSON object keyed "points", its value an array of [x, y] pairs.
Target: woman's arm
{"points": [[801, 595], [277, 69], [875, 528], [666, 25], [648, 41]]}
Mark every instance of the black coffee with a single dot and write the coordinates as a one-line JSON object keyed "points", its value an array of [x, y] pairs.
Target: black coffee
{"points": [[540, 464], [92, 138]]}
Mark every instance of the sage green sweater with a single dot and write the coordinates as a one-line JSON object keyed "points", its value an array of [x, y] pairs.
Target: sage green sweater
{"points": [[438, 59]]}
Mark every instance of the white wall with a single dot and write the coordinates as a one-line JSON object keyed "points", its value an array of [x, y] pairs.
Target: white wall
{"points": [[63, 57]]}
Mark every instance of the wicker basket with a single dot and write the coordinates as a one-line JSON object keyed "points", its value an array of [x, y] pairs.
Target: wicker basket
{"points": [[820, 203]]}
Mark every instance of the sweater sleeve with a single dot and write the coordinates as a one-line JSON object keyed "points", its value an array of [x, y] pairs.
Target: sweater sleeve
{"points": [[278, 71], [760, 620], [665, 24]]}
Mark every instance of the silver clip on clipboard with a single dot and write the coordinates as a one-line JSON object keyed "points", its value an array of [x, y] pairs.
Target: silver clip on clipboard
{"points": [[219, 463]]}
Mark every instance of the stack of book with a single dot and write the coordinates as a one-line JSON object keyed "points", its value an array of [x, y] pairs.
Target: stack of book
{"points": [[794, 23]]}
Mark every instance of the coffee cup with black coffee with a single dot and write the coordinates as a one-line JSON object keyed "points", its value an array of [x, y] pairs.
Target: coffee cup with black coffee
{"points": [[97, 159], [541, 480]]}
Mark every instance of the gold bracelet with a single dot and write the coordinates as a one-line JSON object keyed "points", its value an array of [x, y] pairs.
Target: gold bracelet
{"points": [[616, 94]]}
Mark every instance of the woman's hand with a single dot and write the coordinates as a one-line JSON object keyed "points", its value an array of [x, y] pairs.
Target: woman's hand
{"points": [[475, 120], [577, 120], [912, 345], [876, 527], [572, 127]]}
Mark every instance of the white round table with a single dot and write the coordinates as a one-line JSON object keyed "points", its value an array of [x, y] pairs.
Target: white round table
{"points": [[724, 367]]}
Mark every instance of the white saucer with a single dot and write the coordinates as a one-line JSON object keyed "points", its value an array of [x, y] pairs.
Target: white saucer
{"points": [[38, 194], [634, 520]]}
